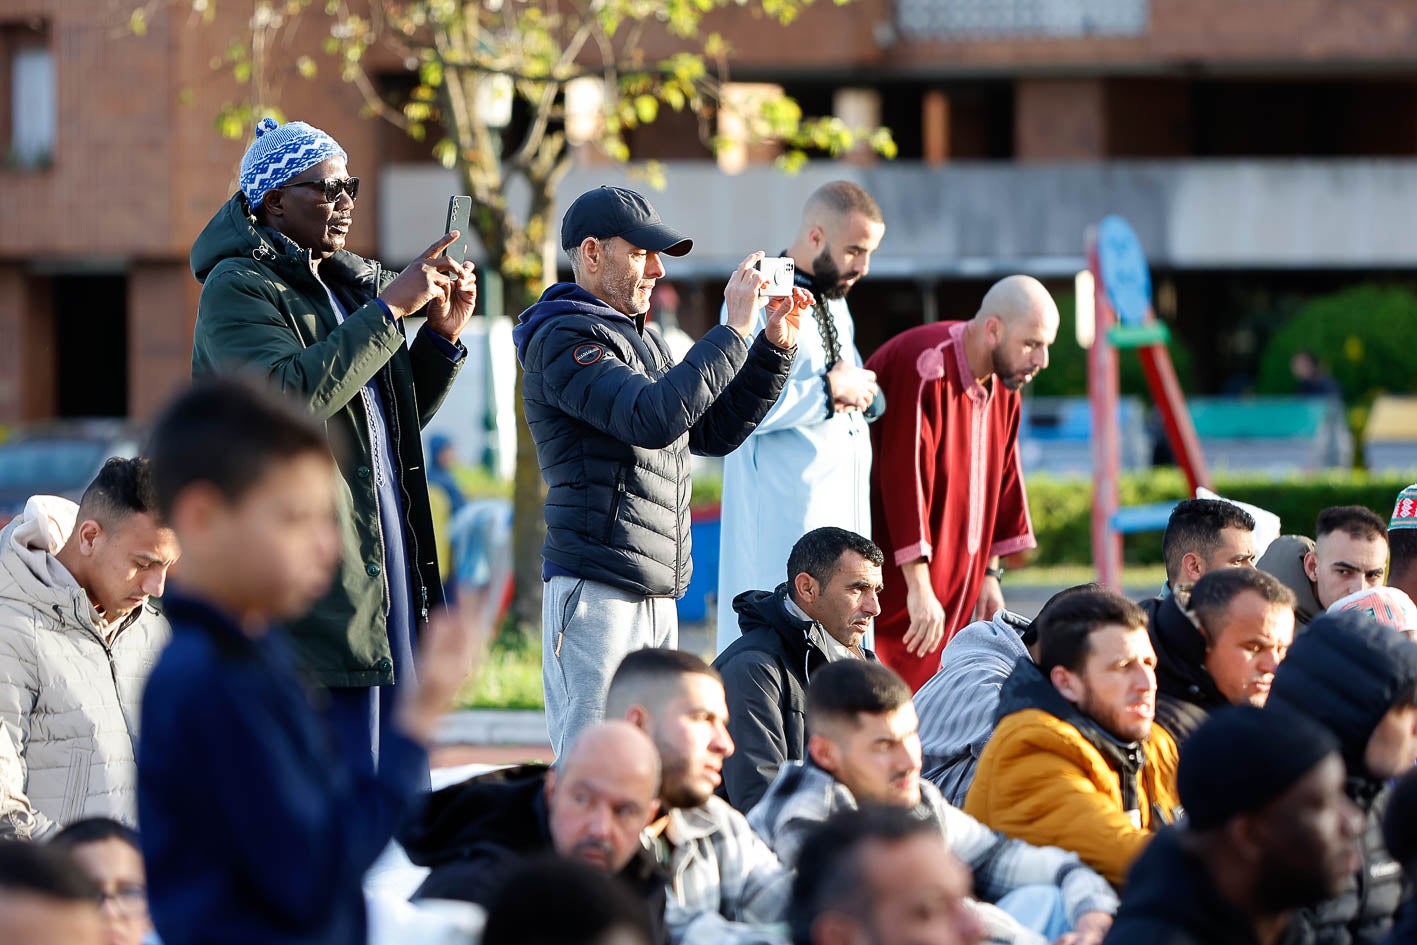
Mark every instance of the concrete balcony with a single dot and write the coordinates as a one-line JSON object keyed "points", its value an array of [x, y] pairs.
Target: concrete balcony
{"points": [[983, 219]]}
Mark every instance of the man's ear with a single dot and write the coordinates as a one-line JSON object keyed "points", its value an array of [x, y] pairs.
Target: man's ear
{"points": [[824, 752], [652, 812], [836, 928], [1190, 568], [1311, 567], [88, 533], [638, 716], [549, 786], [804, 588], [590, 253], [994, 330], [273, 203], [1067, 683], [817, 236]]}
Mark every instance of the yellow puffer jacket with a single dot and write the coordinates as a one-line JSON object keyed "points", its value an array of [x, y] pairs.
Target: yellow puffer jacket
{"points": [[1042, 780]]}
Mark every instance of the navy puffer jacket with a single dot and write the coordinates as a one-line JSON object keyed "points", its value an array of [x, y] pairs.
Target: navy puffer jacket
{"points": [[615, 419], [1347, 671]]}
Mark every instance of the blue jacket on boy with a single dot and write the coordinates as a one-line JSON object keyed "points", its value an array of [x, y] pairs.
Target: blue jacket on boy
{"points": [[253, 829]]}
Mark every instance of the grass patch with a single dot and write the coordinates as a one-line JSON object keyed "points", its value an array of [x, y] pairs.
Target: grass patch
{"points": [[1066, 575], [511, 677]]}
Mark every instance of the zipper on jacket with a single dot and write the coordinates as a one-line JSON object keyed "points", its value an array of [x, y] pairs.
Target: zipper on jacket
{"points": [[679, 521], [615, 504]]}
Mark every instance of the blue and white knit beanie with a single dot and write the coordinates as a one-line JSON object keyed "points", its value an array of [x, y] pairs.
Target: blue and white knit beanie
{"points": [[279, 153]]}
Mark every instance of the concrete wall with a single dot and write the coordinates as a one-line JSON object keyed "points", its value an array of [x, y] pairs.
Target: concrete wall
{"points": [[987, 218]]}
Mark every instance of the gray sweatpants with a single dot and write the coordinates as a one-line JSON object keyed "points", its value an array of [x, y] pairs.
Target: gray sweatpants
{"points": [[586, 630]]}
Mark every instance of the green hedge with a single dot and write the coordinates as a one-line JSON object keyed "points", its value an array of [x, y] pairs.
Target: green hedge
{"points": [[1062, 508]]}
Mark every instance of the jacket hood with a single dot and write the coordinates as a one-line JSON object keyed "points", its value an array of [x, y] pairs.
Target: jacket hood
{"points": [[1347, 670], [504, 808], [758, 610], [26, 546], [1002, 634], [1180, 653], [229, 233], [563, 298], [1284, 558], [1028, 688]]}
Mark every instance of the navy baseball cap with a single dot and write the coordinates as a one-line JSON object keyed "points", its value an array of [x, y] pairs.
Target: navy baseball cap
{"points": [[613, 211]]}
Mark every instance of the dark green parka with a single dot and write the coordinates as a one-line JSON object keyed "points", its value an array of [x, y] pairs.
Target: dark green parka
{"points": [[262, 308]]}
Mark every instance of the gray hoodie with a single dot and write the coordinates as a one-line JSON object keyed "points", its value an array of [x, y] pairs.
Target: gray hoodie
{"points": [[1284, 558]]}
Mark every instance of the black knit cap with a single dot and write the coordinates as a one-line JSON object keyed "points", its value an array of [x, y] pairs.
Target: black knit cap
{"points": [[1243, 758], [613, 211]]}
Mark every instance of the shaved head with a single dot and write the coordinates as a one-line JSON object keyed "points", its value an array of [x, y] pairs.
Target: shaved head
{"points": [[602, 793], [1017, 322], [842, 227], [617, 747]]}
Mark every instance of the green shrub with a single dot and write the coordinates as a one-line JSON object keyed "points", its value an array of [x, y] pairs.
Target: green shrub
{"points": [[1366, 335], [1062, 508]]}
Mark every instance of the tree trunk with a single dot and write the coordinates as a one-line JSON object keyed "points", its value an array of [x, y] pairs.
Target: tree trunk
{"points": [[528, 493]]}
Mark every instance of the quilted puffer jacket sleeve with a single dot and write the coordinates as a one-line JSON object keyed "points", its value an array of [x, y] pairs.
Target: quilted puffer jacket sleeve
{"points": [[745, 401], [624, 403], [240, 321], [19, 684]]}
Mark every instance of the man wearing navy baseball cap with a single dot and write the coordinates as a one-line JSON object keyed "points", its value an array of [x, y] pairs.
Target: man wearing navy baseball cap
{"points": [[614, 420]]}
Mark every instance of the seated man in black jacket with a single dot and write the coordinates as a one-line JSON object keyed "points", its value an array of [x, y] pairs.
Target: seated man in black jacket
{"points": [[819, 615], [591, 807], [1268, 831], [1222, 649], [1358, 678]]}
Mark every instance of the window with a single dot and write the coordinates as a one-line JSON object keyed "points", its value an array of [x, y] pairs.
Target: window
{"points": [[30, 105]]}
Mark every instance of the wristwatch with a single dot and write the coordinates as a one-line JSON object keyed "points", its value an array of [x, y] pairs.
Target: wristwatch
{"points": [[995, 573]]}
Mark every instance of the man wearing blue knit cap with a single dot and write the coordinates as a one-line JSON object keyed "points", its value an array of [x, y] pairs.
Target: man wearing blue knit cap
{"points": [[281, 296]]}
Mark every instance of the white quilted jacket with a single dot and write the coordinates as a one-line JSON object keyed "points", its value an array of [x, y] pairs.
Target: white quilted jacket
{"points": [[69, 701]]}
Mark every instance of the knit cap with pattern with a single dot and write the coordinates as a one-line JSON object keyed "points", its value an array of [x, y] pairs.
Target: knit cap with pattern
{"points": [[279, 153]]}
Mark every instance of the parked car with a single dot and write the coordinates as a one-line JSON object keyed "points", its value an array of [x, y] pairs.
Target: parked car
{"points": [[58, 458]]}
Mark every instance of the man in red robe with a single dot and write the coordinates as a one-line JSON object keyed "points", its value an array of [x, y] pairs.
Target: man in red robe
{"points": [[947, 496]]}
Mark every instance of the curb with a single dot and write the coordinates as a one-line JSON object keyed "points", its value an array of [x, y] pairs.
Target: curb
{"points": [[492, 727]]}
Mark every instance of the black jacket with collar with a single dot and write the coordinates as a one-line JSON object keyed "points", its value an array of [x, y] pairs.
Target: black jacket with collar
{"points": [[1170, 900], [469, 835], [765, 675], [1185, 692]]}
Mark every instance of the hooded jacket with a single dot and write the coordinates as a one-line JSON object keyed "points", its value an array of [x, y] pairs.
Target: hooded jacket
{"points": [[765, 676], [615, 419], [1347, 671], [1051, 777], [1284, 558], [1185, 692], [262, 307], [470, 834], [1171, 900], [69, 691]]}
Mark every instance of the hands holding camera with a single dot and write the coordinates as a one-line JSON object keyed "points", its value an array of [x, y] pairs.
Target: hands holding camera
{"points": [[744, 293]]}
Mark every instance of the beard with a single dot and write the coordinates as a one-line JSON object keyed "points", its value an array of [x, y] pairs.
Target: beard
{"points": [[828, 282], [1012, 376], [1115, 721]]}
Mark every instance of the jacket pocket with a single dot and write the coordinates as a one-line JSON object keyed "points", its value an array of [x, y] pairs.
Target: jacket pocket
{"points": [[76, 785], [616, 501]]}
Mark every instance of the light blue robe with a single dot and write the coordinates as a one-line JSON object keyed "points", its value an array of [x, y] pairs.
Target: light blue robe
{"points": [[798, 471]]}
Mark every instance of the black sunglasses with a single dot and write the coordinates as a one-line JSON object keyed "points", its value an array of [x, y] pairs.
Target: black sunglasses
{"points": [[331, 187]]}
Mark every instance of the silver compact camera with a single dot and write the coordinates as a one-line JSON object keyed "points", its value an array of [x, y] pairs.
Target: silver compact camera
{"points": [[779, 271]]}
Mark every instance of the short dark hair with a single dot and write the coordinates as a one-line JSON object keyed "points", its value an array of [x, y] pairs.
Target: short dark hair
{"points": [[1212, 594], [650, 675], [1356, 521], [842, 197], [829, 877], [1065, 638], [1194, 528], [1030, 636], [590, 905], [227, 431], [95, 830], [841, 690], [1402, 548], [43, 870], [817, 552], [122, 487]]}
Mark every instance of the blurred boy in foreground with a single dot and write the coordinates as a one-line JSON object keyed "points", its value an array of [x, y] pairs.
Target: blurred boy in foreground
{"points": [[254, 829]]}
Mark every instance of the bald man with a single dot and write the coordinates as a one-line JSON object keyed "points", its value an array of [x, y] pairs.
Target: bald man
{"points": [[807, 464], [947, 495], [591, 807]]}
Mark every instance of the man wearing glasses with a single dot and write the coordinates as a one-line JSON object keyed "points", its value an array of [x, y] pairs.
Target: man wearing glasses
{"points": [[281, 296]]}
